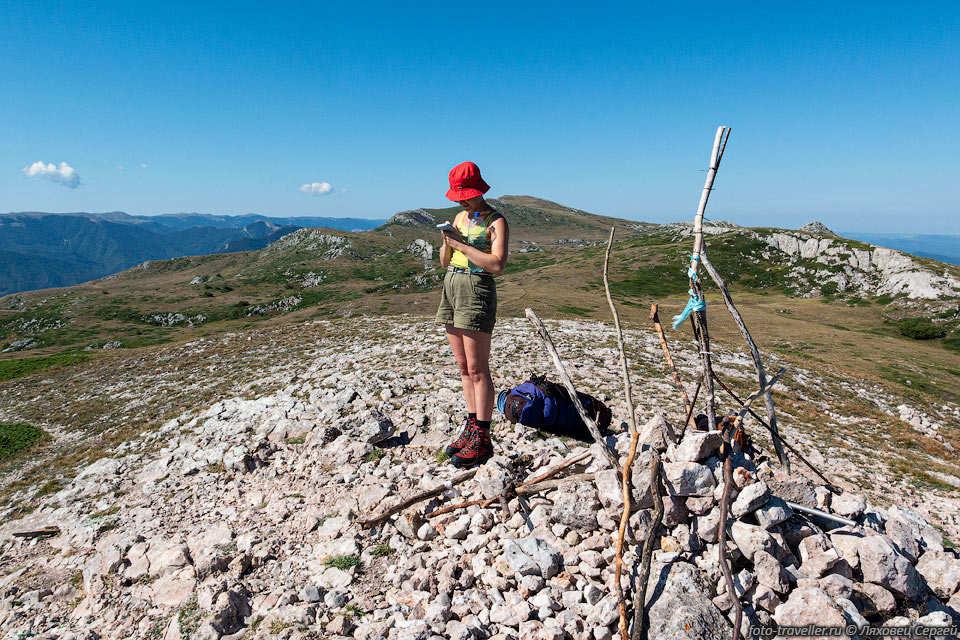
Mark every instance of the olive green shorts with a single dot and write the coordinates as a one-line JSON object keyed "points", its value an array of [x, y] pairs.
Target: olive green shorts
{"points": [[468, 301]]}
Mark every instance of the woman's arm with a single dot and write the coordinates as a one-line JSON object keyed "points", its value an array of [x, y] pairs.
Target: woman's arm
{"points": [[446, 251], [495, 261]]}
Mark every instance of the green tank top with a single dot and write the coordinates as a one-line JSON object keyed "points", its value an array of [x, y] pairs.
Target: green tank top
{"points": [[478, 237]]}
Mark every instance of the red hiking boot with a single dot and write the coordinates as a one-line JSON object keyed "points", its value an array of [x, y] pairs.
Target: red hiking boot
{"points": [[477, 451], [463, 439]]}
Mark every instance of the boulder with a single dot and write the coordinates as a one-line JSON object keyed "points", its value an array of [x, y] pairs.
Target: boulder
{"points": [[657, 433], [848, 505], [941, 570], [770, 572], [884, 565], [688, 479], [697, 446], [773, 512], [750, 499], [370, 426], [810, 605], [750, 538], [575, 505], [532, 556], [679, 604]]}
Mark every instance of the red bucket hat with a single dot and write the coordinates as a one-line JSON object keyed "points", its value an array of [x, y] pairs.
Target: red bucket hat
{"points": [[466, 183]]}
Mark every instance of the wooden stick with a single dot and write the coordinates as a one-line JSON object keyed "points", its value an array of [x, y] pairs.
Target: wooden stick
{"points": [[722, 548], [621, 534], [775, 435], [624, 369], [420, 497], [547, 485], [634, 439], [704, 196], [453, 507], [687, 405], [568, 384], [46, 532], [700, 317], [756, 394], [696, 392], [580, 457], [640, 594], [487, 502], [754, 354]]}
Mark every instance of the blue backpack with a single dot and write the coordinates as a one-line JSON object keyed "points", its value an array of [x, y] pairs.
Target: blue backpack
{"points": [[546, 405]]}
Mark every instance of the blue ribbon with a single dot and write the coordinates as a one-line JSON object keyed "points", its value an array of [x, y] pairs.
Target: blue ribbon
{"points": [[691, 272], [693, 304]]}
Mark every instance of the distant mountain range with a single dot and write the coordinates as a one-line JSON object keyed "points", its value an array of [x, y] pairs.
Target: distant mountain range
{"points": [[40, 250], [945, 248]]}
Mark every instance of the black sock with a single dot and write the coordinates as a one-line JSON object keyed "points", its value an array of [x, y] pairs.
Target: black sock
{"points": [[472, 416], [483, 424]]}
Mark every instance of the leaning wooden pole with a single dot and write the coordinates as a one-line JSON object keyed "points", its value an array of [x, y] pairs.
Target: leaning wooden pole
{"points": [[592, 427], [634, 439], [687, 405], [639, 631], [754, 354], [722, 546], [696, 306]]}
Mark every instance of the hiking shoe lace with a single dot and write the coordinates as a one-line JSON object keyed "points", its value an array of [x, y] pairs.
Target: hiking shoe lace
{"points": [[463, 439], [477, 451]]}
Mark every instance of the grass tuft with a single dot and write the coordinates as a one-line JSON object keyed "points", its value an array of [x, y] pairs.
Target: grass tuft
{"points": [[16, 437], [343, 562], [10, 369]]}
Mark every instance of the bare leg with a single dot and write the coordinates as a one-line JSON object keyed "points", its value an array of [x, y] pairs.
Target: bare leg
{"points": [[476, 346], [455, 336]]}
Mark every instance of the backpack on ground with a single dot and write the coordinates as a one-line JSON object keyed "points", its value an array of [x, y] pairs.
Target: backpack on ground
{"points": [[546, 405]]}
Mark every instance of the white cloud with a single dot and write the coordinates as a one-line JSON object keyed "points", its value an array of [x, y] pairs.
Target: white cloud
{"points": [[317, 188], [143, 165], [63, 174], [119, 167]]}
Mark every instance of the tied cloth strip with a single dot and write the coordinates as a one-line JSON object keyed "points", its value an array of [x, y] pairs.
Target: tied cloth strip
{"points": [[694, 303]]}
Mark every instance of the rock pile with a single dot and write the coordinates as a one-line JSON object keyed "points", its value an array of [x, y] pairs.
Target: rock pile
{"points": [[243, 520]]}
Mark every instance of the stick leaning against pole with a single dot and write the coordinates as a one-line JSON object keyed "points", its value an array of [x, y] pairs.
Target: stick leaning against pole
{"points": [[611, 457], [687, 404], [754, 354]]}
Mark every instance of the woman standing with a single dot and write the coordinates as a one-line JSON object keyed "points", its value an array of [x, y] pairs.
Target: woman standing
{"points": [[468, 305]]}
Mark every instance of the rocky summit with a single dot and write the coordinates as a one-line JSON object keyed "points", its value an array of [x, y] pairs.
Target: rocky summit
{"points": [[247, 514]]}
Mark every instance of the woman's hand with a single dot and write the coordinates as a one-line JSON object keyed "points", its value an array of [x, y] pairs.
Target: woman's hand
{"points": [[454, 242]]}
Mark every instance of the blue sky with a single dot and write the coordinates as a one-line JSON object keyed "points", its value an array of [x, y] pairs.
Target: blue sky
{"points": [[841, 112]]}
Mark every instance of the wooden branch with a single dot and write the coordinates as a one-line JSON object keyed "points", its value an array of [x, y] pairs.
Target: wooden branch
{"points": [[622, 532], [776, 436], [640, 594], [611, 457], [624, 369], [560, 467], [634, 439], [484, 503], [724, 513], [547, 485], [699, 318], [704, 196], [687, 405], [686, 422], [754, 354], [756, 394], [453, 507], [46, 532], [420, 497]]}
